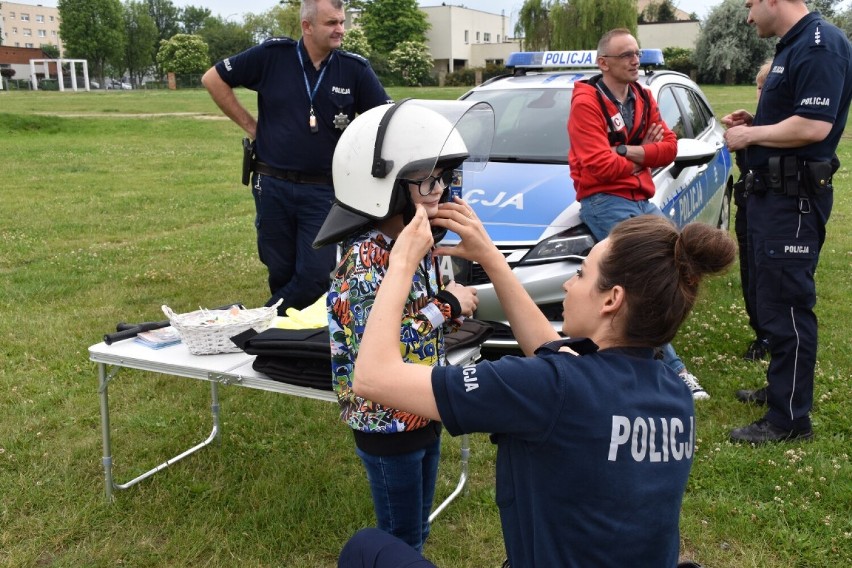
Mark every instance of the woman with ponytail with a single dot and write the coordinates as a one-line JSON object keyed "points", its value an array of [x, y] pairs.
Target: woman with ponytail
{"points": [[595, 436]]}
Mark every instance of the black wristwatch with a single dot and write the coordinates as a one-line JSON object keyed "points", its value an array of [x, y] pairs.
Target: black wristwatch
{"points": [[621, 150]]}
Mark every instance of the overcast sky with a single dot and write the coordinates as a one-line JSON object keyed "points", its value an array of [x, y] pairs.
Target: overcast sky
{"points": [[227, 8]]}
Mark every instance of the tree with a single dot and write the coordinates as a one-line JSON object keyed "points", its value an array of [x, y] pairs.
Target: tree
{"points": [[534, 25], [166, 17], [579, 24], [663, 11], [193, 18], [412, 61], [844, 21], [355, 41], [388, 23], [141, 33], [50, 50], [728, 49], [827, 8], [93, 30], [225, 38], [280, 20], [183, 54]]}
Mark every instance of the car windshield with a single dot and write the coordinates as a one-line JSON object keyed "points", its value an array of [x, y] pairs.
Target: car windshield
{"points": [[531, 124]]}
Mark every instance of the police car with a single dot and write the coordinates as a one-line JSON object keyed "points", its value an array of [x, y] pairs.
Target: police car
{"points": [[525, 195]]}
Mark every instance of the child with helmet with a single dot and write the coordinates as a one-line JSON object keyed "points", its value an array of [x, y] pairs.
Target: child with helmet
{"points": [[389, 160]]}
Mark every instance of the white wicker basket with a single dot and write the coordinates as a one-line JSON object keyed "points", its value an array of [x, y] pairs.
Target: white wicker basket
{"points": [[207, 332]]}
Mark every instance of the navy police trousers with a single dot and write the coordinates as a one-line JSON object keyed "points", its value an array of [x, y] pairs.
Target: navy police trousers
{"points": [[289, 216], [785, 235]]}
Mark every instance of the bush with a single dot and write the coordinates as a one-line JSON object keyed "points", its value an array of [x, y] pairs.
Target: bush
{"points": [[467, 77], [679, 59]]}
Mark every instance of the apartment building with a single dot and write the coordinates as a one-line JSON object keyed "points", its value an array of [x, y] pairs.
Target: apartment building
{"points": [[29, 25]]}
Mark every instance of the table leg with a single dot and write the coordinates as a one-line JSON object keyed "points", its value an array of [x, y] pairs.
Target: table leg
{"points": [[103, 382], [105, 428], [465, 457]]}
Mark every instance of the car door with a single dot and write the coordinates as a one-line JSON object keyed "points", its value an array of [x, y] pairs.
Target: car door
{"points": [[694, 193]]}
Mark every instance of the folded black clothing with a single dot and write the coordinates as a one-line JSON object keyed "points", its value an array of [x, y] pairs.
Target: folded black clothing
{"points": [[314, 373], [302, 357], [309, 343]]}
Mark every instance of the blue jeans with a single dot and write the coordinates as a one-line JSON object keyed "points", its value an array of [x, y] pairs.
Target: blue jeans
{"points": [[403, 487], [601, 212], [289, 216]]}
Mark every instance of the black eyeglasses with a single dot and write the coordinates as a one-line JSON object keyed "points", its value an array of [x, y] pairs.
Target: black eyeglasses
{"points": [[444, 178], [627, 55]]}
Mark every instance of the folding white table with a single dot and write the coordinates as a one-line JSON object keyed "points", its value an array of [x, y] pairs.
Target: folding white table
{"points": [[225, 369]]}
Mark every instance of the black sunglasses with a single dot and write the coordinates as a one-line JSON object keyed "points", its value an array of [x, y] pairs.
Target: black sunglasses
{"points": [[444, 178]]}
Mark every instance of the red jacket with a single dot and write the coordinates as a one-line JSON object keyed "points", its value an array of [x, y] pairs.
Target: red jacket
{"points": [[595, 168]]}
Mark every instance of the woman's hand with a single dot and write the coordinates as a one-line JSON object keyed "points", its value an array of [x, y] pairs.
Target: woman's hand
{"points": [[475, 245], [414, 242]]}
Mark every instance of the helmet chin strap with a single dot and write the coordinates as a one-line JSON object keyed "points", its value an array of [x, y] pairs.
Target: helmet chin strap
{"points": [[409, 209]]}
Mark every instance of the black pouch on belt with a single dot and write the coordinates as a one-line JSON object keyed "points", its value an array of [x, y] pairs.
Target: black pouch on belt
{"points": [[818, 177], [248, 160]]}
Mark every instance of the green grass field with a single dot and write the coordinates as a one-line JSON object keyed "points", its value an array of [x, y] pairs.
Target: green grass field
{"points": [[114, 203]]}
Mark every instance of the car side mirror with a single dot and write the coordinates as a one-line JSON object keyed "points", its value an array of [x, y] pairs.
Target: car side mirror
{"points": [[691, 152]]}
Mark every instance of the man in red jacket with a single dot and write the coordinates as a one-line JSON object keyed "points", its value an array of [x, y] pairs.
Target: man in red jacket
{"points": [[617, 135]]}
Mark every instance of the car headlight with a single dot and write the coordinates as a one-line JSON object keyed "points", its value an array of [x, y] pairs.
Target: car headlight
{"points": [[575, 243]]}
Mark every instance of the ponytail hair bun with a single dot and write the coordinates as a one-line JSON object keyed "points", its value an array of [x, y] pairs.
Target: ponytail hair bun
{"points": [[660, 269]]}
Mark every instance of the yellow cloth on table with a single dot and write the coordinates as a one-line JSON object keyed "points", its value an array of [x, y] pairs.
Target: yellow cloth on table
{"points": [[312, 317]]}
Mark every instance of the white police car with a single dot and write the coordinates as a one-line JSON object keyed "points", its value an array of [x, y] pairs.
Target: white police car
{"points": [[525, 196]]}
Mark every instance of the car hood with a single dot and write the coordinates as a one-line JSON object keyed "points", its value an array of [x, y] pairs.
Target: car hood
{"points": [[520, 202]]}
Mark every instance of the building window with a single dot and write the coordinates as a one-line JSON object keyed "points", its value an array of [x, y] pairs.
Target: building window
{"points": [[42, 33], [27, 32], [498, 38], [25, 17], [39, 18], [486, 37], [477, 37], [14, 30], [11, 15], [28, 45], [51, 18], [467, 36]]}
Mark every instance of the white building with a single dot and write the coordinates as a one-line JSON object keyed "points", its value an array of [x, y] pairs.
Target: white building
{"points": [[461, 37]]}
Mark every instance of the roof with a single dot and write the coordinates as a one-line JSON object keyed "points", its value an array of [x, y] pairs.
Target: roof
{"points": [[20, 55]]}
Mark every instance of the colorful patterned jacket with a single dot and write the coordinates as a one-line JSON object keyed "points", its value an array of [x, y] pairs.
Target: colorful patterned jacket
{"points": [[350, 299]]}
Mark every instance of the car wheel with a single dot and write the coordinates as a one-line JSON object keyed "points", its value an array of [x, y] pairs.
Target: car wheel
{"points": [[725, 212]]}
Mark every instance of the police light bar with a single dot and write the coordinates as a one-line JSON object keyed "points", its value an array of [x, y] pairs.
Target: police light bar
{"points": [[571, 59]]}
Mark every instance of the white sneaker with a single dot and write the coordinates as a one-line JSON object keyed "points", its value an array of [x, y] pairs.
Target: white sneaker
{"points": [[691, 381]]}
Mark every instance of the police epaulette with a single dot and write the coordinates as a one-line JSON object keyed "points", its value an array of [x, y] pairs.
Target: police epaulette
{"points": [[360, 58], [276, 41], [581, 345]]}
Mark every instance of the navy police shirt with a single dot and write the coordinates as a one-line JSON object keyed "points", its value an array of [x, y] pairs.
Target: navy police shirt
{"points": [[811, 76], [594, 452], [284, 138]]}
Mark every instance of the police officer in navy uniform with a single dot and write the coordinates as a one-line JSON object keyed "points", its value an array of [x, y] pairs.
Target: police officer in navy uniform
{"points": [[789, 143], [595, 437], [308, 91]]}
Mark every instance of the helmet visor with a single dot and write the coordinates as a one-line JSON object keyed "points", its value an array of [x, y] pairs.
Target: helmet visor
{"points": [[468, 142]]}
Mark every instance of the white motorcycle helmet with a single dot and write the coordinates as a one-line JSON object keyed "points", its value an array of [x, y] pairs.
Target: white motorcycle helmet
{"points": [[390, 143]]}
